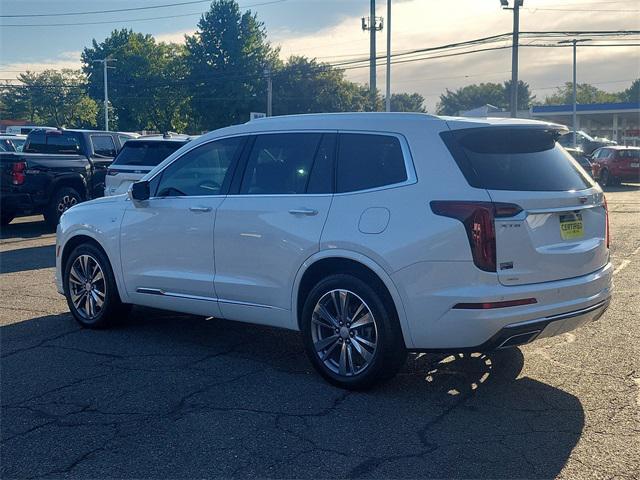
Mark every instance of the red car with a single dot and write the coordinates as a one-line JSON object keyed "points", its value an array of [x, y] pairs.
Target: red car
{"points": [[616, 164]]}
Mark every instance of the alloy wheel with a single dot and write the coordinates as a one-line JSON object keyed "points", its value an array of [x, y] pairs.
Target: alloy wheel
{"points": [[344, 332], [87, 286], [66, 202]]}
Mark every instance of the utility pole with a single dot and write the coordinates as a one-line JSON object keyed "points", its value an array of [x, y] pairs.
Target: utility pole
{"points": [[373, 24], [105, 64], [388, 81], [514, 52], [574, 42], [267, 72]]}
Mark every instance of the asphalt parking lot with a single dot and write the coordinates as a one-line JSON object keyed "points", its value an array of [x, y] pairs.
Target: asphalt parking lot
{"points": [[166, 395]]}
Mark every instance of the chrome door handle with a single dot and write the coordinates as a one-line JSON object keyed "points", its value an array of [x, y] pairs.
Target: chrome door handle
{"points": [[200, 209], [303, 211]]}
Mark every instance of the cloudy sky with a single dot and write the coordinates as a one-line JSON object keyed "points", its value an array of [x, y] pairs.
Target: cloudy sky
{"points": [[330, 30]]}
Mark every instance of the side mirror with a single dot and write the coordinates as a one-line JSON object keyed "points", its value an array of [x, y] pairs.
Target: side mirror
{"points": [[140, 191]]}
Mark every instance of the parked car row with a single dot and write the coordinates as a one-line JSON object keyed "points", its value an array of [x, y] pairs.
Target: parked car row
{"points": [[372, 234], [56, 169]]}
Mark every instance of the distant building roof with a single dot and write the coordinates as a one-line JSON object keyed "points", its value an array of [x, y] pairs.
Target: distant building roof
{"points": [[482, 111], [586, 108]]}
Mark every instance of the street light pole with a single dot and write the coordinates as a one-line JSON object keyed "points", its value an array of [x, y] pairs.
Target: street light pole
{"points": [[105, 65], [574, 115], [372, 25], [514, 52], [388, 81], [267, 72], [372, 49]]}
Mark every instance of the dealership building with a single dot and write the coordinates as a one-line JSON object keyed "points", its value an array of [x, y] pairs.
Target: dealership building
{"points": [[616, 121]]}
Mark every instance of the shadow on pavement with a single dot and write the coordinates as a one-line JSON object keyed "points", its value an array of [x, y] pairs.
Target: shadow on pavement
{"points": [[166, 395], [28, 227], [30, 258]]}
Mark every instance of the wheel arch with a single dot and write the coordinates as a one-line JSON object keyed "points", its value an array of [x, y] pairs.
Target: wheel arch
{"points": [[330, 262], [75, 182], [84, 237]]}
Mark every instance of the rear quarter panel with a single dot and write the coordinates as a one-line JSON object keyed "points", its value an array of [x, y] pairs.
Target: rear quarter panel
{"points": [[412, 234]]}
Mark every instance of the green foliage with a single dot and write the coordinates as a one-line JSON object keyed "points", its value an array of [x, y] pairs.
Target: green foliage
{"points": [[226, 61], [306, 86], [632, 94], [407, 102], [585, 93], [478, 95], [145, 88], [52, 97]]}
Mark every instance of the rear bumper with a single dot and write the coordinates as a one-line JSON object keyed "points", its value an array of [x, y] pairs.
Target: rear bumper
{"points": [[526, 332], [431, 292]]}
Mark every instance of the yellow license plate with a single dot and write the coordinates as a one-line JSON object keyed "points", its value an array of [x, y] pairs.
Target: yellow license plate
{"points": [[571, 226]]}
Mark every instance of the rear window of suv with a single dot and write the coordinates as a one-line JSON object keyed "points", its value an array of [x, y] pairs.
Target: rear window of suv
{"points": [[146, 154], [518, 159]]}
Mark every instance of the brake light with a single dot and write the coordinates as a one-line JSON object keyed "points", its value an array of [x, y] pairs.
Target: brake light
{"points": [[17, 173], [606, 216], [478, 220]]}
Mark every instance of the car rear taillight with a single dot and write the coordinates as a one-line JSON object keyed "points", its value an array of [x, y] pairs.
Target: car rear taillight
{"points": [[478, 220], [606, 215], [17, 173]]}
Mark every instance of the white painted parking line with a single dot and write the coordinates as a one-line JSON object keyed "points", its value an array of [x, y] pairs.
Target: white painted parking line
{"points": [[625, 263]]}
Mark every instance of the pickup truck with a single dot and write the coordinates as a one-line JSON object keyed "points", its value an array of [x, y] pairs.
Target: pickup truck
{"points": [[56, 169]]}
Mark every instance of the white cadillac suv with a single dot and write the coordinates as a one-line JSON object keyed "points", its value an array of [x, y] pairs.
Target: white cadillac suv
{"points": [[373, 234]]}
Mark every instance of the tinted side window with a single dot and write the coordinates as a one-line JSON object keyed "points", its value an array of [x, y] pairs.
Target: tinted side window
{"points": [[147, 154], [103, 145], [368, 161], [321, 179], [67, 142], [37, 142], [280, 163], [201, 171]]}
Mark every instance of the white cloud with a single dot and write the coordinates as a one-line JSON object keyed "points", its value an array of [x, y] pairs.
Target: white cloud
{"points": [[69, 59]]}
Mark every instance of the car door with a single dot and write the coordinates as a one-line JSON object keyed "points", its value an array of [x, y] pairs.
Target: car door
{"points": [[166, 242], [271, 222], [103, 150]]}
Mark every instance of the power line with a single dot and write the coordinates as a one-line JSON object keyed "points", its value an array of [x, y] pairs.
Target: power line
{"points": [[576, 10], [361, 62], [106, 22], [66, 14]]}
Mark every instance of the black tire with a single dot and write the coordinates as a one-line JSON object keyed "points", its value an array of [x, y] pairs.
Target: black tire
{"points": [[61, 200], [604, 178], [112, 309], [390, 353], [6, 218]]}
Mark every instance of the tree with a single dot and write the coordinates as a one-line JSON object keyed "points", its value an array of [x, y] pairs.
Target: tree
{"points": [[478, 95], [226, 61], [471, 96], [52, 97], [306, 86], [525, 99], [407, 102], [146, 85], [585, 93], [632, 94]]}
